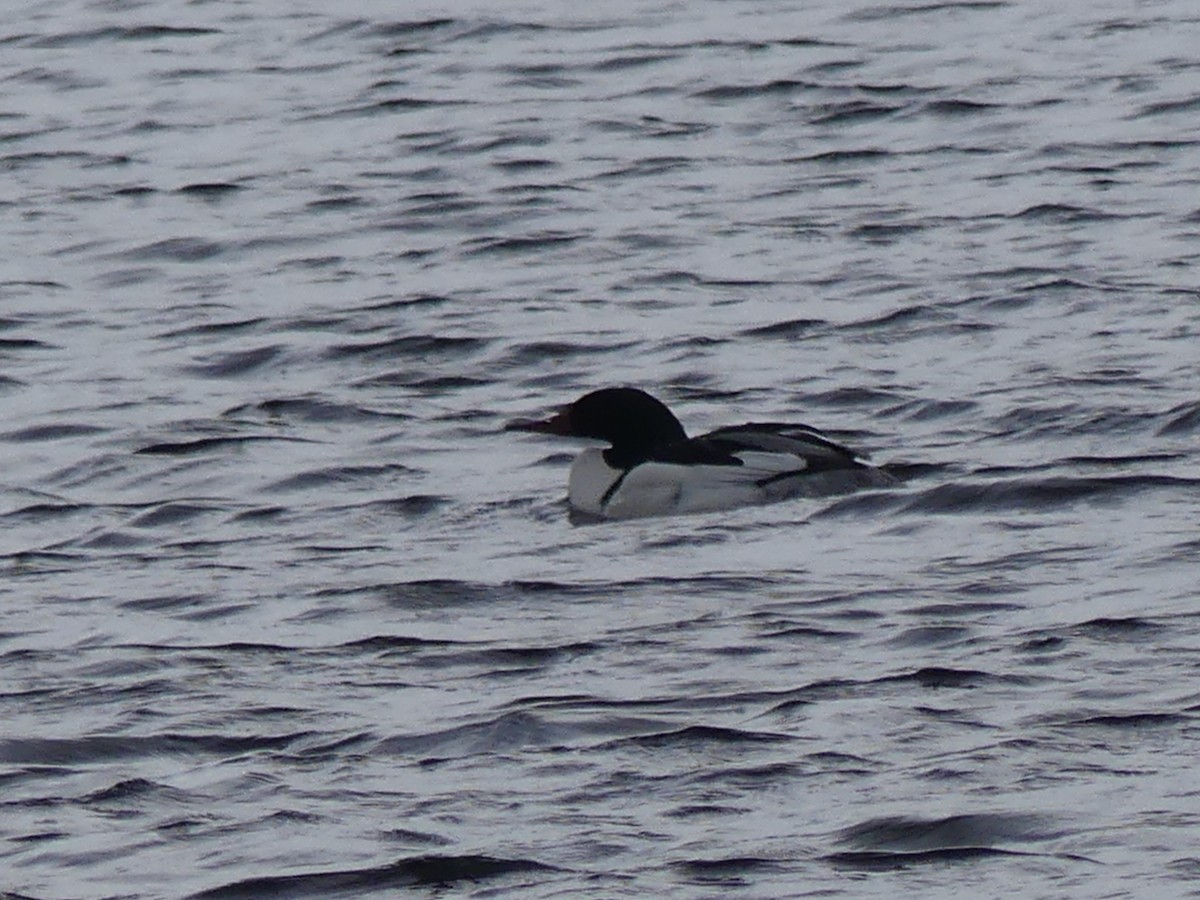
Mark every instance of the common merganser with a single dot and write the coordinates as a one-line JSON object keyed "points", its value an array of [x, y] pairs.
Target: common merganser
{"points": [[653, 468]]}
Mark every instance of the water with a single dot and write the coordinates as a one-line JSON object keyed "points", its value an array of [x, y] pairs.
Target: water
{"points": [[286, 612]]}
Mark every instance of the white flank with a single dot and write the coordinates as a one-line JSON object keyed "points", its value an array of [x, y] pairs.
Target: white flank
{"points": [[659, 489]]}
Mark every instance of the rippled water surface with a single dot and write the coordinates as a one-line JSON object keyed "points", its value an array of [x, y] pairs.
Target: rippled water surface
{"points": [[287, 613]]}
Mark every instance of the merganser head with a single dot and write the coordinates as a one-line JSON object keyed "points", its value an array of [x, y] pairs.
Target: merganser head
{"points": [[628, 418]]}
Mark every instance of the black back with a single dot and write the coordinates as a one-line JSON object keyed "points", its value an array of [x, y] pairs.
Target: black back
{"points": [[641, 428]]}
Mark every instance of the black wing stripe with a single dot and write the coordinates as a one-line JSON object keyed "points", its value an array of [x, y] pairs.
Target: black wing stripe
{"points": [[778, 431], [613, 488], [780, 476]]}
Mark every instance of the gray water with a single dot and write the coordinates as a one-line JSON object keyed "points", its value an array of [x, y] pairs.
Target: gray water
{"points": [[287, 613]]}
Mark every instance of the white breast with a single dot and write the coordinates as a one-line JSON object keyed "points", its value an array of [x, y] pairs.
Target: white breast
{"points": [[591, 478]]}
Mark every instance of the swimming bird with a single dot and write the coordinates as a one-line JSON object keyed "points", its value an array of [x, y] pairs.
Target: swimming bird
{"points": [[653, 468]]}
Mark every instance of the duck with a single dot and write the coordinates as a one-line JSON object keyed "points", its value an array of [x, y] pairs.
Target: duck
{"points": [[652, 468]]}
